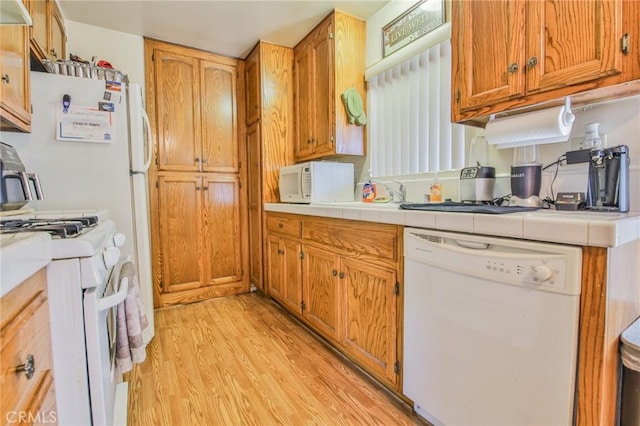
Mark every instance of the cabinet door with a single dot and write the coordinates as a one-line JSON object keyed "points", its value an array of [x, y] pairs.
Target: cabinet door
{"points": [[181, 247], [255, 205], [491, 52], [321, 292], [221, 230], [323, 88], [219, 128], [15, 98], [571, 42], [304, 98], [370, 316], [38, 31], [252, 84], [178, 111], [57, 34], [292, 289], [275, 267]]}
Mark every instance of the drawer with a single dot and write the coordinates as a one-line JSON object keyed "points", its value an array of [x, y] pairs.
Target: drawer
{"points": [[284, 225], [357, 239], [25, 331]]}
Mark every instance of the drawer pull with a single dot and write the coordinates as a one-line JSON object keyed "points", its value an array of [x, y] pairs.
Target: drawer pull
{"points": [[5, 78], [341, 275], [334, 272], [280, 225], [29, 367]]}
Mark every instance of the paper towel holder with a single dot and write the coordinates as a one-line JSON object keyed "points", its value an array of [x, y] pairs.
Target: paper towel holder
{"points": [[550, 125]]}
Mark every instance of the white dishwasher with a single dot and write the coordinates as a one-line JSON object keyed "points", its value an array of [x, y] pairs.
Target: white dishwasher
{"points": [[490, 329]]}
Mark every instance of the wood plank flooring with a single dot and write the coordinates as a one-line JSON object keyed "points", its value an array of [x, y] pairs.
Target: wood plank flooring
{"points": [[243, 361]]}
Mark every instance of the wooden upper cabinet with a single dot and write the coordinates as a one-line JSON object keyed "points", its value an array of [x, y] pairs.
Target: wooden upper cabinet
{"points": [[304, 98], [39, 31], [252, 86], [48, 34], [570, 42], [323, 120], [218, 117], [178, 111], [196, 105], [510, 54], [15, 94], [328, 61], [57, 33], [492, 51]]}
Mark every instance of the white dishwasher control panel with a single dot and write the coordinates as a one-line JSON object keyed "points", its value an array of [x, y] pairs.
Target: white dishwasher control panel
{"points": [[549, 267]]}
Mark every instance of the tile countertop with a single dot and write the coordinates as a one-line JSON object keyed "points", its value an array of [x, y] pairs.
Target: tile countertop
{"points": [[566, 227], [22, 255]]}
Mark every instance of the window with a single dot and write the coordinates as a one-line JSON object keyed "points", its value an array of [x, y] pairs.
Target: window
{"points": [[409, 106]]}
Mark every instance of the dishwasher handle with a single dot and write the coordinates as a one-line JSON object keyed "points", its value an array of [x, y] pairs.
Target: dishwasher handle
{"points": [[474, 245]]}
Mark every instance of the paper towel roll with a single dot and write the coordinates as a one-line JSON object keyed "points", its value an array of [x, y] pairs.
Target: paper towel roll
{"points": [[533, 128]]}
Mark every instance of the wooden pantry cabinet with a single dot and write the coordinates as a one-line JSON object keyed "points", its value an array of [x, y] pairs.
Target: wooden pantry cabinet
{"points": [[47, 35], [269, 115], [198, 204], [511, 54], [27, 378], [343, 279], [328, 61], [15, 93]]}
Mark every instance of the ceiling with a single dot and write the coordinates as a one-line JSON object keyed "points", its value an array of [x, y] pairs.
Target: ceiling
{"points": [[226, 27]]}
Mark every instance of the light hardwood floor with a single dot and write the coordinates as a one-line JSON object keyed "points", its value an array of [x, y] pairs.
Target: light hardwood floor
{"points": [[243, 361]]}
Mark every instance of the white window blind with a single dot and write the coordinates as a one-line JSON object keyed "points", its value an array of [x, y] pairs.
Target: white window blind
{"points": [[409, 107]]}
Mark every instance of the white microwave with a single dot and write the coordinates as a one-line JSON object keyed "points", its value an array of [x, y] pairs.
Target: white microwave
{"points": [[317, 182]]}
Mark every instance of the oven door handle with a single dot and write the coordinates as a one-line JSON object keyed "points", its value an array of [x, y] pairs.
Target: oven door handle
{"points": [[115, 299]]}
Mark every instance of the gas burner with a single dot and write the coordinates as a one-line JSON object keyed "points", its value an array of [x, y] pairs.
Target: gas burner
{"points": [[61, 228]]}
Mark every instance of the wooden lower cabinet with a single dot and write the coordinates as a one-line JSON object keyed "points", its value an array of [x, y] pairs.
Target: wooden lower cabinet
{"points": [[321, 289], [370, 312], [200, 237], [285, 271], [345, 286], [26, 340]]}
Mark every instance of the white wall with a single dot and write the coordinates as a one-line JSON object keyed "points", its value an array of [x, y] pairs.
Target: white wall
{"points": [[124, 51]]}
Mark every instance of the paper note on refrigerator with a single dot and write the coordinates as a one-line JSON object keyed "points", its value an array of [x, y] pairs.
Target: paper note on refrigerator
{"points": [[84, 124]]}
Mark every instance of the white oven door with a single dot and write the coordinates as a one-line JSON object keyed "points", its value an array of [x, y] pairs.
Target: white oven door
{"points": [[108, 393]]}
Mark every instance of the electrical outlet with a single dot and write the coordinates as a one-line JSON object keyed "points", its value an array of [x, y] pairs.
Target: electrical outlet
{"points": [[578, 143]]}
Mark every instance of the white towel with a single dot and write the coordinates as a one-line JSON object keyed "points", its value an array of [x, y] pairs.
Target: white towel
{"points": [[131, 322]]}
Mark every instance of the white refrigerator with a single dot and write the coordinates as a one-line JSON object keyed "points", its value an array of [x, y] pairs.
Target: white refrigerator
{"points": [[81, 174]]}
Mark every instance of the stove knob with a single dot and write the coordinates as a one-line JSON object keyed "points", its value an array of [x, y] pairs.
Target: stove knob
{"points": [[119, 239], [541, 273], [111, 255]]}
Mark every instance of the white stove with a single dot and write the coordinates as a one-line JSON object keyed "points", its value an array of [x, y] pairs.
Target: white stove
{"points": [[84, 292]]}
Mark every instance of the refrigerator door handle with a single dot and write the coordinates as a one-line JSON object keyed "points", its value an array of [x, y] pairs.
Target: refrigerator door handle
{"points": [[147, 124]]}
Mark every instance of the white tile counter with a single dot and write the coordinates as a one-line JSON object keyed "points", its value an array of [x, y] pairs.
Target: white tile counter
{"points": [[577, 228], [22, 255]]}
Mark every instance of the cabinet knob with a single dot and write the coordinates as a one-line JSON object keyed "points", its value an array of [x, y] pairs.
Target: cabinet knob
{"points": [[341, 275], [29, 367], [532, 62], [5, 78], [197, 159], [280, 251], [308, 141], [204, 160], [280, 225], [512, 68], [334, 272], [54, 53]]}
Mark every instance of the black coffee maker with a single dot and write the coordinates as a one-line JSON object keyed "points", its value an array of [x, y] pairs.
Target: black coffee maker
{"points": [[15, 190], [608, 186]]}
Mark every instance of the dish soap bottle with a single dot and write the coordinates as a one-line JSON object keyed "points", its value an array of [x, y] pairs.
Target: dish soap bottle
{"points": [[435, 191], [369, 190]]}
